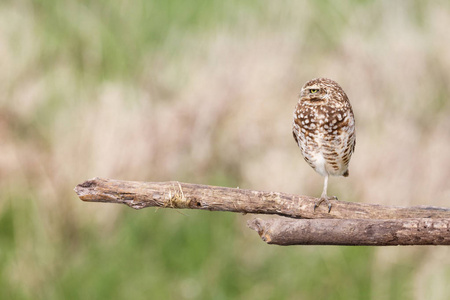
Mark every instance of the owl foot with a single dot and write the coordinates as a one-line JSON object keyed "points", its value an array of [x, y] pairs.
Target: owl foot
{"points": [[327, 200]]}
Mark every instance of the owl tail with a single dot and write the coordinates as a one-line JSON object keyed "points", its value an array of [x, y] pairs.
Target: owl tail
{"points": [[346, 173]]}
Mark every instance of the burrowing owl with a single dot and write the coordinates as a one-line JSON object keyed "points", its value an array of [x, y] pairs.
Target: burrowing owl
{"points": [[324, 129]]}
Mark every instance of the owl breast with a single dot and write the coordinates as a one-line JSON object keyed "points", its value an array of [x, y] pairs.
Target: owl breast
{"points": [[325, 135]]}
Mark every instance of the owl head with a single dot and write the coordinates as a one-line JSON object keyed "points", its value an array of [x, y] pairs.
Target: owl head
{"points": [[320, 91]]}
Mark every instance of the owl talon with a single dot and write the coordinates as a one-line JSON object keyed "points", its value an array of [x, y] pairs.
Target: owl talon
{"points": [[327, 200]]}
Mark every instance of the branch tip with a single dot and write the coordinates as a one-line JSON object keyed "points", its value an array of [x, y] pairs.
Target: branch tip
{"points": [[259, 226]]}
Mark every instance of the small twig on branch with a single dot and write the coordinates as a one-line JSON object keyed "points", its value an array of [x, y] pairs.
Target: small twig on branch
{"points": [[178, 195], [420, 231]]}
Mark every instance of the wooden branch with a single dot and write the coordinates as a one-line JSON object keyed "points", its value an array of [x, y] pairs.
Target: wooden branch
{"points": [[418, 231], [195, 196], [348, 223]]}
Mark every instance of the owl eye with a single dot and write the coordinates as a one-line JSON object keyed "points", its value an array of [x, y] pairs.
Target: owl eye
{"points": [[313, 91]]}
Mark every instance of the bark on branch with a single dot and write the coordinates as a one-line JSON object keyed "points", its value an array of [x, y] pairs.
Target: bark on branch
{"points": [[351, 219], [174, 194], [418, 231]]}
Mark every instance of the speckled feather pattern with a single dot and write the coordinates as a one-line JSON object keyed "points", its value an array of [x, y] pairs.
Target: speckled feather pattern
{"points": [[324, 127]]}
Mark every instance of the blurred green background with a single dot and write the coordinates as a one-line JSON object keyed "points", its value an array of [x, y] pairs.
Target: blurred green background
{"points": [[203, 92]]}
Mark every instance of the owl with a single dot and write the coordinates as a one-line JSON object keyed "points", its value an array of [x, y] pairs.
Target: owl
{"points": [[324, 129]]}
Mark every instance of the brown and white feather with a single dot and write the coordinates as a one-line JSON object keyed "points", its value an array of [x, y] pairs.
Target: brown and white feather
{"points": [[324, 127]]}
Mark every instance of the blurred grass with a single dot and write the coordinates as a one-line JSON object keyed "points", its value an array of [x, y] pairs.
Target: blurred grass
{"points": [[203, 91], [104, 40]]}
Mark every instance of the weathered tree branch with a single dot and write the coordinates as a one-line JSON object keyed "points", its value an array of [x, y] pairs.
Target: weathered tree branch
{"points": [[348, 223], [174, 194], [418, 231]]}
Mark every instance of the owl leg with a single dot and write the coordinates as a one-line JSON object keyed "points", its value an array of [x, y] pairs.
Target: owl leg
{"points": [[324, 196]]}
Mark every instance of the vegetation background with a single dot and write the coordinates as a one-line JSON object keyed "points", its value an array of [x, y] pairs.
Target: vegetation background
{"points": [[203, 92]]}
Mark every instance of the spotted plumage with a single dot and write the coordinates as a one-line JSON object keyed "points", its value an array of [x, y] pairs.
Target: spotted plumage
{"points": [[324, 129]]}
